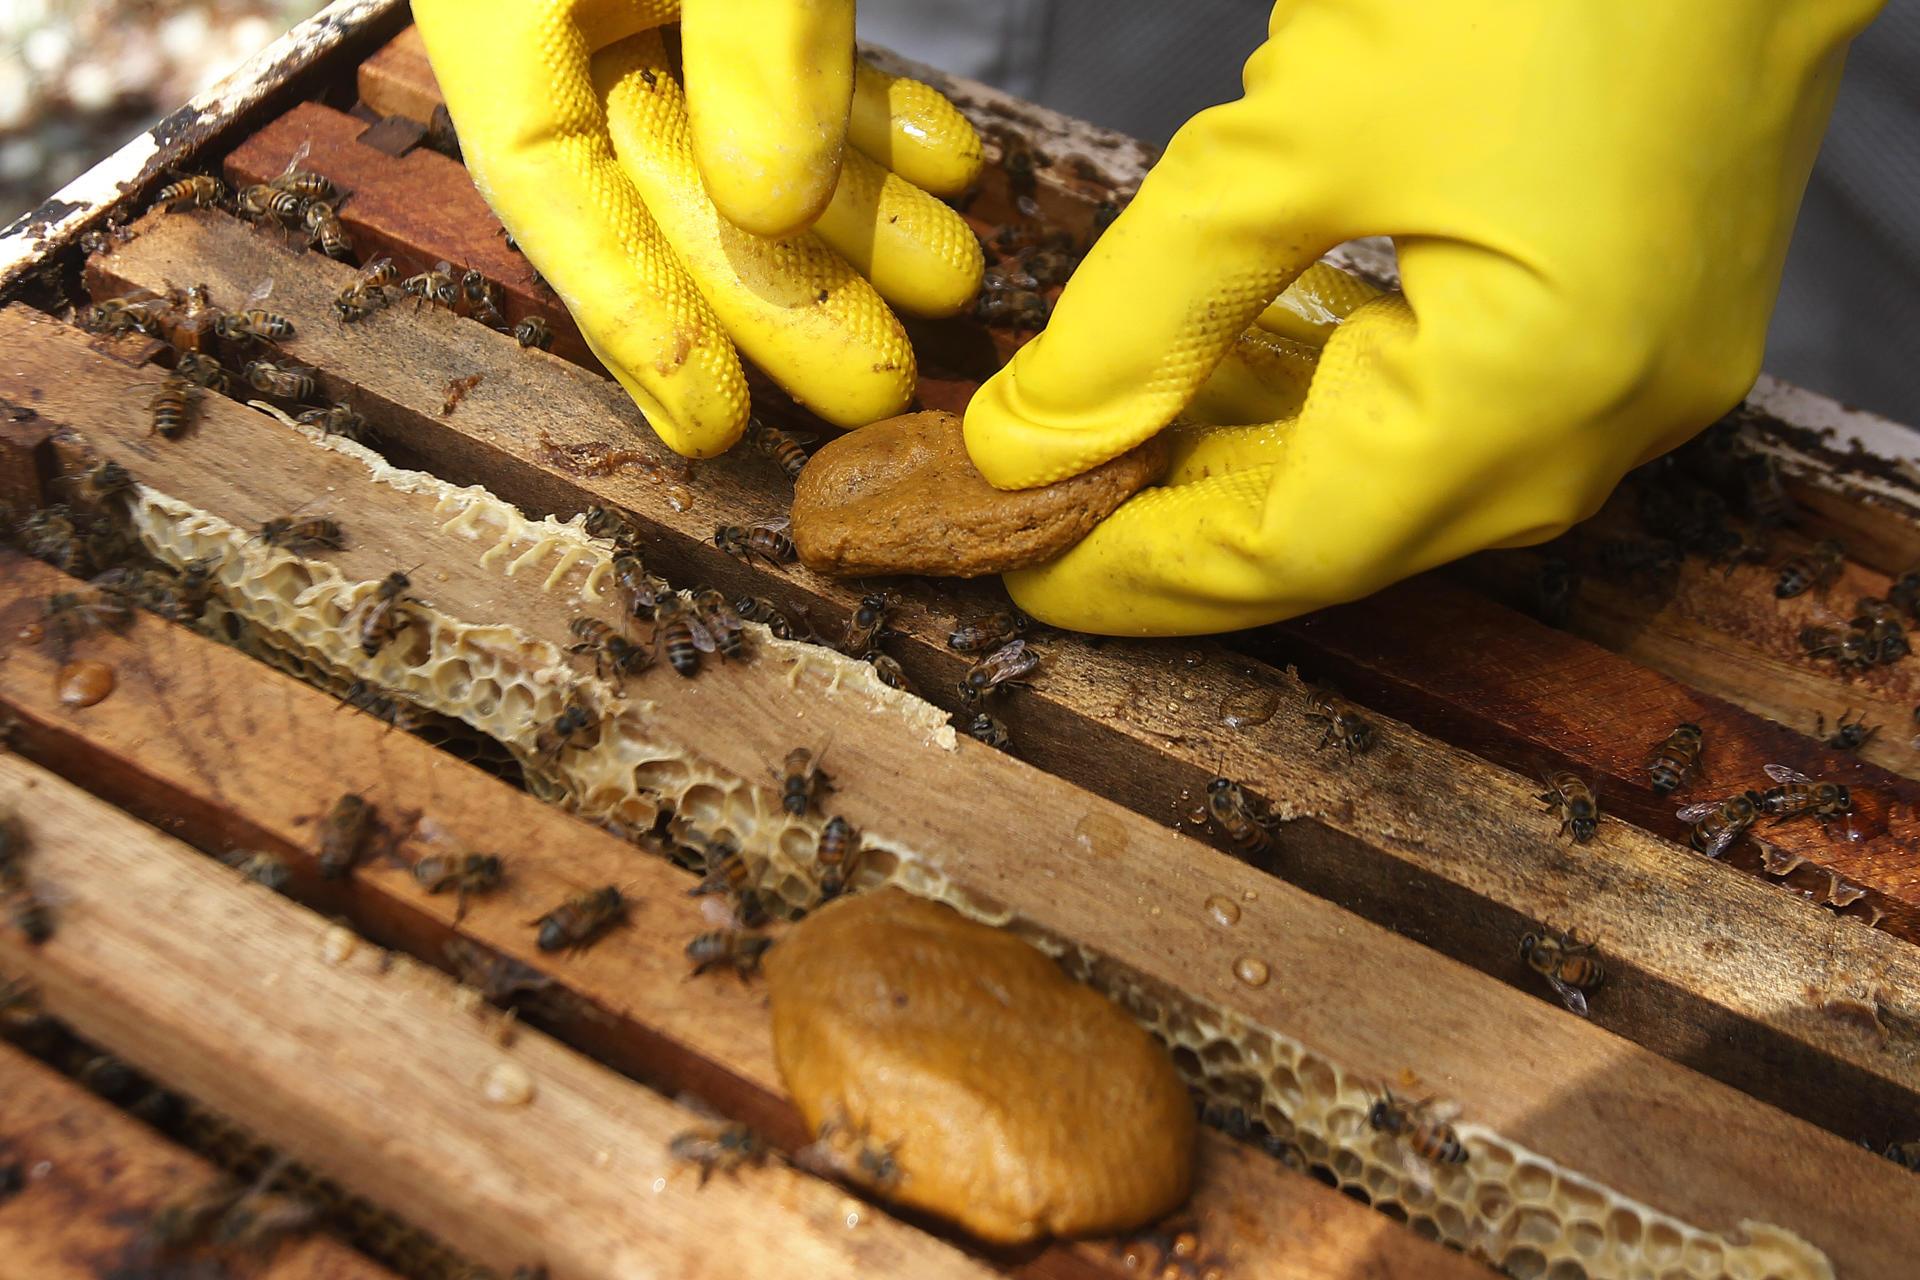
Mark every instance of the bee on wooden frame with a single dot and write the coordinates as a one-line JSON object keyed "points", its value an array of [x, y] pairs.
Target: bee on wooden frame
{"points": [[762, 610], [787, 450], [1718, 823], [722, 1149], [302, 536], [254, 324], [1848, 735], [342, 832], [1426, 1129], [721, 623], [1796, 795], [1244, 822], [1344, 723], [436, 287], [680, 634], [616, 526], [368, 291], [534, 331], [1814, 570], [612, 652], [1567, 965], [282, 381], [989, 632], [465, 873], [887, 669], [837, 855], [1005, 665], [1578, 807], [802, 780], [868, 625], [1676, 761], [734, 949], [75, 613], [766, 539], [581, 919], [171, 406], [381, 618], [197, 191]]}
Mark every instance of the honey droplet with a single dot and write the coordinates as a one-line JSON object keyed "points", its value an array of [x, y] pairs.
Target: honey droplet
{"points": [[506, 1085], [1244, 708], [677, 497], [1251, 970], [1225, 911], [1100, 833], [337, 943], [81, 684]]}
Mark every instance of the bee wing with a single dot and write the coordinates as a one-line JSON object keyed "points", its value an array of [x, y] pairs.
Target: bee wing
{"points": [[1417, 1170], [1780, 773], [1718, 845], [1571, 996], [780, 525], [717, 913], [702, 638], [1698, 810], [299, 154], [261, 291]]}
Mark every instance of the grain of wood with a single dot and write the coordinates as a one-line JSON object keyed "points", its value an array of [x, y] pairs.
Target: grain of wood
{"points": [[91, 1178], [252, 786], [1140, 723], [1073, 866], [219, 989]]}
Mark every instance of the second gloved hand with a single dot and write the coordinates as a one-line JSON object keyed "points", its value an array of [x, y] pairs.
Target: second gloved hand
{"points": [[1591, 200], [674, 224]]}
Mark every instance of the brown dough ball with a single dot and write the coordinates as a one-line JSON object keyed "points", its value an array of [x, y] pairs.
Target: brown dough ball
{"points": [[901, 496], [1006, 1097]]}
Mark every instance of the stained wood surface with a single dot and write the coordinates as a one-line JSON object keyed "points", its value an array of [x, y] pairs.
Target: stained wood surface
{"points": [[252, 787], [91, 1177], [1139, 723], [1074, 865], [220, 988]]}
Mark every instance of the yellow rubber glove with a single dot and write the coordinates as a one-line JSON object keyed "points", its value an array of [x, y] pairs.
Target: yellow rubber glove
{"points": [[1591, 201], [675, 225]]}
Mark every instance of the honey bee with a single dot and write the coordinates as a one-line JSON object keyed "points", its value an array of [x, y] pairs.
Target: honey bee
{"points": [[1886, 632], [238, 325], [278, 380], [199, 191], [684, 639], [644, 590], [495, 977], [801, 779], [868, 625], [342, 832], [726, 1149], [27, 910], [534, 331], [582, 918], [572, 724], [186, 323], [1239, 818], [1002, 305], [261, 867], [204, 371], [727, 873], [464, 873], [340, 420], [1677, 760], [1003, 666], [1817, 569], [1849, 648], [837, 854], [762, 610], [104, 480], [611, 651], [170, 406], [1848, 735], [434, 288], [138, 311], [1904, 593], [1579, 808], [53, 534], [301, 536], [326, 232], [889, 672], [871, 1163], [1718, 823], [786, 450], [1345, 724], [1567, 965], [1765, 496], [178, 597], [367, 697], [1733, 548], [721, 623], [306, 183], [985, 728], [74, 613], [381, 617], [368, 291], [616, 526], [733, 948], [1427, 1132], [188, 1218], [989, 632], [1904, 1154], [766, 539], [1797, 795], [263, 200], [478, 292]]}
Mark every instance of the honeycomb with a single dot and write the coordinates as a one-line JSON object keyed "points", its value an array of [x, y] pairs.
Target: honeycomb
{"points": [[1512, 1207]]}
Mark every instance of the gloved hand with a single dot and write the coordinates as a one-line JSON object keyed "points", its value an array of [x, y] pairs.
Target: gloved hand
{"points": [[674, 226], [1591, 201]]}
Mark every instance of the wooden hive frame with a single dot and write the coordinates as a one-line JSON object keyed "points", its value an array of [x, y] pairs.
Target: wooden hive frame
{"points": [[1748, 1038]]}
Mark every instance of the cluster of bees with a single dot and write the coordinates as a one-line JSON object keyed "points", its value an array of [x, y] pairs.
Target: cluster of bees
{"points": [[472, 295], [25, 909], [1029, 258]]}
